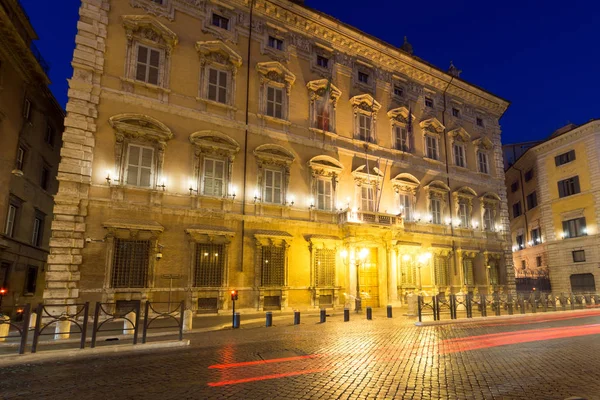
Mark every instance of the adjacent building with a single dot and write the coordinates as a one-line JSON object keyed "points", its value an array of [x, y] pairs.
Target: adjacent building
{"points": [[266, 147], [554, 199], [31, 123]]}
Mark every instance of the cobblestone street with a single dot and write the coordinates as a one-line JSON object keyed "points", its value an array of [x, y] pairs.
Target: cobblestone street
{"points": [[542, 357]]}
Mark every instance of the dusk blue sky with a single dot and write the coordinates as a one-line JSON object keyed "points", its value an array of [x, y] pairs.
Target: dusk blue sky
{"points": [[545, 60]]}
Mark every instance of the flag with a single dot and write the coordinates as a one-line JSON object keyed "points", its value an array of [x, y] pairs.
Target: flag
{"points": [[323, 108]]}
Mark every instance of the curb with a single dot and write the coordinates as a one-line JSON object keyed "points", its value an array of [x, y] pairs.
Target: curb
{"points": [[52, 355], [493, 319]]}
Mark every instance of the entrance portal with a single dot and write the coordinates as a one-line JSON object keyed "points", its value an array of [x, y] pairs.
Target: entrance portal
{"points": [[369, 280]]}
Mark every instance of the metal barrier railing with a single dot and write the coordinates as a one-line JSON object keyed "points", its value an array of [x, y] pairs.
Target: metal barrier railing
{"points": [[102, 310], [171, 315], [22, 329], [46, 318]]}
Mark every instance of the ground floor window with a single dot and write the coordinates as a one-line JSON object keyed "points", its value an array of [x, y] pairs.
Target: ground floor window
{"points": [[468, 271], [324, 267], [583, 283], [493, 271], [130, 263], [272, 260], [409, 271], [210, 265], [441, 270]]}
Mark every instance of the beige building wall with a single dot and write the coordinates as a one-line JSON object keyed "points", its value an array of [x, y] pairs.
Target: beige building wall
{"points": [[325, 252]]}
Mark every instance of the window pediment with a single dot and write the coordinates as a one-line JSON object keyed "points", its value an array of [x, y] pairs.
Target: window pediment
{"points": [[365, 102], [326, 163], [211, 234], [218, 52], [465, 192], [319, 87], [483, 143], [437, 186], [405, 183], [364, 175], [400, 114], [432, 125], [275, 72], [137, 126], [133, 225], [213, 141], [147, 27], [490, 199], [459, 134], [274, 154]]}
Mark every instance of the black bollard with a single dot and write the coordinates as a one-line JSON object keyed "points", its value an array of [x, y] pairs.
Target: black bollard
{"points": [[236, 320], [296, 317], [389, 311], [269, 321], [323, 316], [346, 314], [369, 313]]}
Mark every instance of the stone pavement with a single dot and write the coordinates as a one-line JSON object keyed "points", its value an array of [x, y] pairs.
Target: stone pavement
{"points": [[543, 357]]}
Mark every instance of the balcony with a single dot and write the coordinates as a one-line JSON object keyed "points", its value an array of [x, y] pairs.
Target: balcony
{"points": [[370, 218]]}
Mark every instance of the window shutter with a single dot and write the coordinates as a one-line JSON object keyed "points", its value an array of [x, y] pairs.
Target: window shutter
{"points": [[140, 74], [133, 165], [268, 186], [146, 167], [277, 187], [561, 189], [576, 184], [222, 87]]}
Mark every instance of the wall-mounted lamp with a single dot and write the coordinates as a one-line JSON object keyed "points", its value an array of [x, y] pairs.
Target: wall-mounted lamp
{"points": [[163, 184], [191, 189], [232, 190], [290, 201], [475, 224], [108, 178], [256, 197]]}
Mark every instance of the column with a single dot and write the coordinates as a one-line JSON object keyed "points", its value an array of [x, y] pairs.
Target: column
{"points": [[393, 277]]}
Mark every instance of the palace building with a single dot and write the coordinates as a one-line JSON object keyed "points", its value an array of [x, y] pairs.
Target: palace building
{"points": [[266, 147]]}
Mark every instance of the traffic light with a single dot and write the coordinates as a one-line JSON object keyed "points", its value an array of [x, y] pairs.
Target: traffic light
{"points": [[234, 295], [3, 291]]}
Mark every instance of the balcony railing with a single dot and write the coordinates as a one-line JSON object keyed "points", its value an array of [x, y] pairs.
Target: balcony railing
{"points": [[370, 217]]}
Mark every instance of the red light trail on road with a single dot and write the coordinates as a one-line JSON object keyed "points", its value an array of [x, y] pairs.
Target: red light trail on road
{"points": [[266, 377], [259, 362]]}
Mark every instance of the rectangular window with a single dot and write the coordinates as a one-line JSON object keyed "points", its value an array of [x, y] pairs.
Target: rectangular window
{"points": [[27, 110], [483, 162], [217, 85], [441, 270], [517, 210], [436, 211], [367, 197], [402, 139], [363, 78], [324, 194], [488, 219], [364, 127], [564, 158], [523, 264], [568, 187], [494, 275], [468, 271], [323, 118], [272, 187], [463, 214], [520, 242], [38, 231], [574, 228], [45, 177], [210, 265], [536, 236], [272, 266], [130, 263], [140, 164], [275, 102], [514, 186], [579, 256], [405, 206], [20, 158], [529, 175], [538, 261], [322, 62], [398, 91], [49, 137], [11, 220], [220, 21], [532, 200], [148, 64], [456, 112], [30, 280], [275, 43], [214, 177], [479, 122], [325, 267], [431, 147], [428, 102], [459, 155]]}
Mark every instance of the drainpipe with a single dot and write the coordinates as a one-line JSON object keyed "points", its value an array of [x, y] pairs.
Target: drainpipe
{"points": [[241, 268]]}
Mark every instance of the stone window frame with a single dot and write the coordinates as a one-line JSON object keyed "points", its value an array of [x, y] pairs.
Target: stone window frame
{"points": [[273, 157], [148, 31], [484, 145], [497, 259], [406, 184], [217, 55], [365, 68], [225, 35], [279, 33], [362, 178], [215, 145], [492, 202], [141, 130], [445, 254], [433, 128], [319, 49], [129, 229], [325, 167], [274, 74], [271, 238], [464, 195], [316, 90], [402, 83], [460, 137], [364, 104], [319, 242], [437, 190], [399, 118], [166, 9]]}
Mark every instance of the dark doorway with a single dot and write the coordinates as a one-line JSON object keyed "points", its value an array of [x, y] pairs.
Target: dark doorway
{"points": [[583, 283]]}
